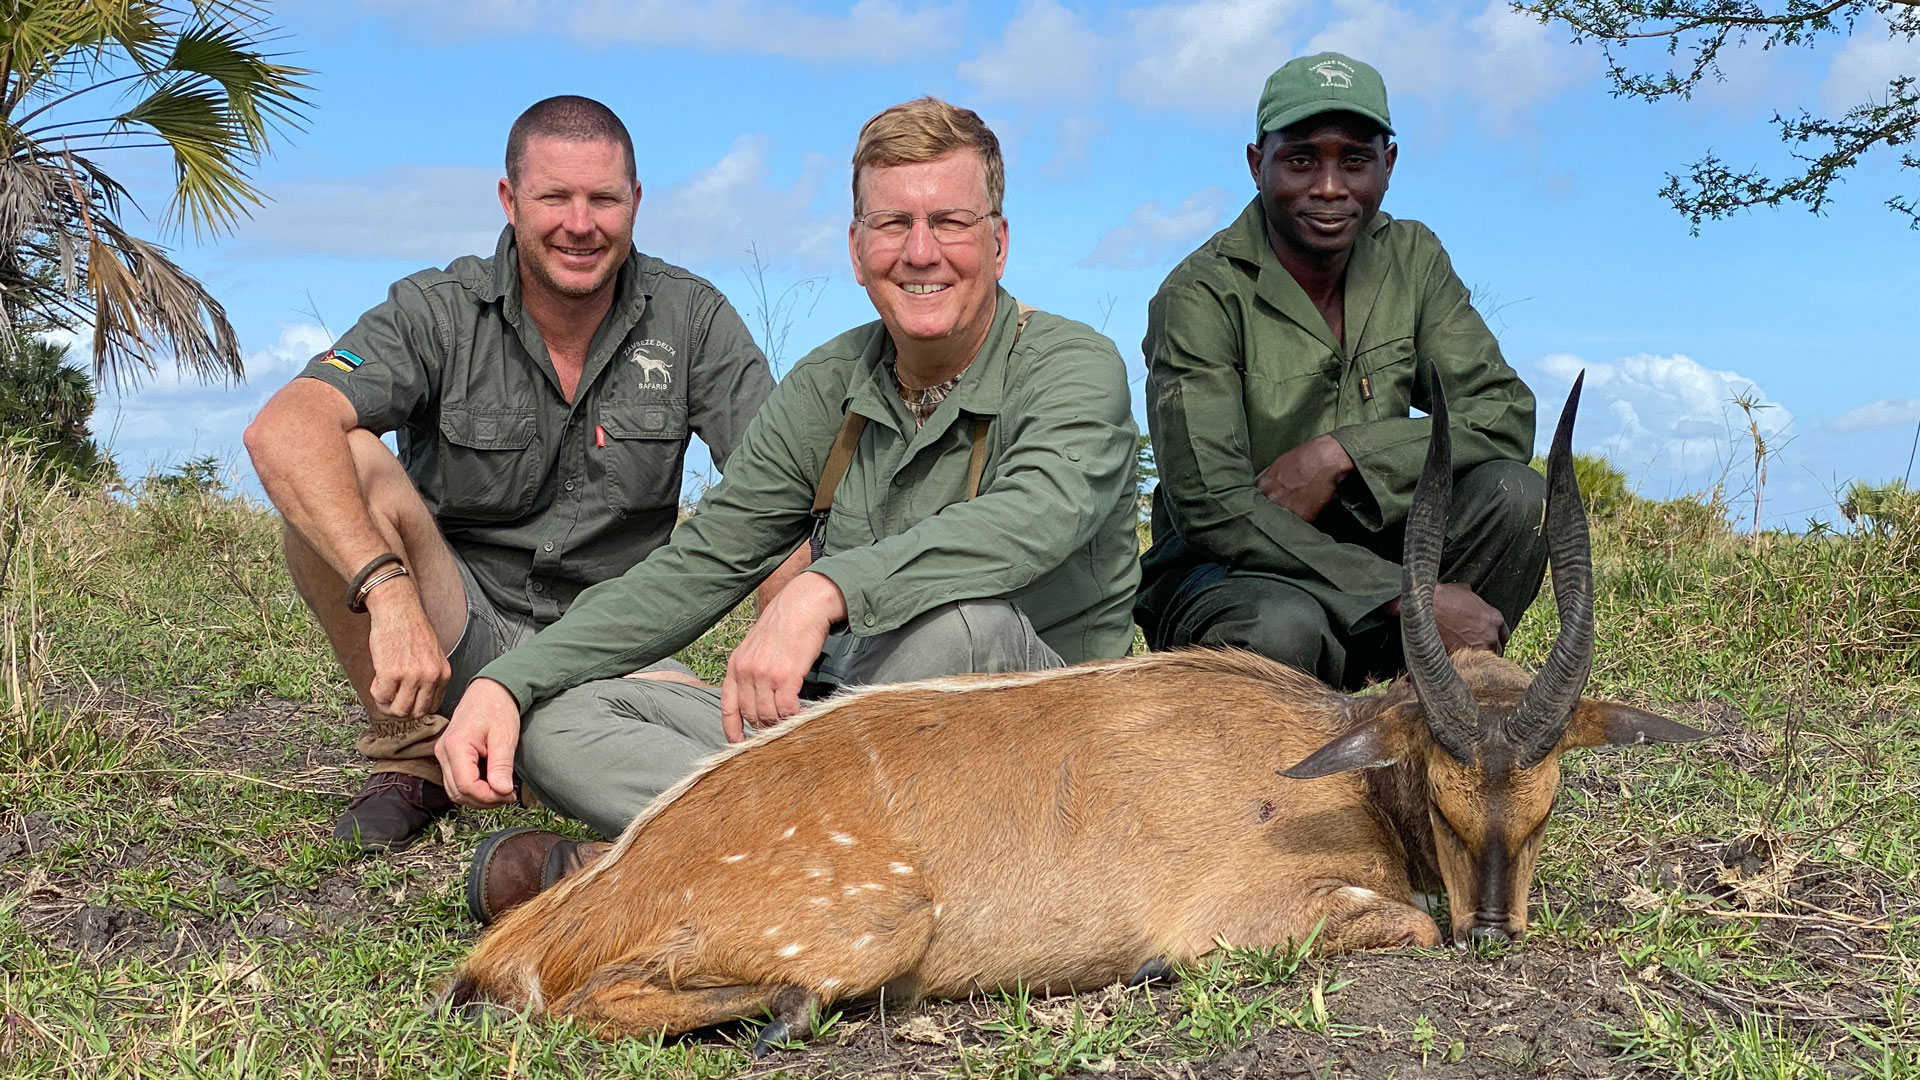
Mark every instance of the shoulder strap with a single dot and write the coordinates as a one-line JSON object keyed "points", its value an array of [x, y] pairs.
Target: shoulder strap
{"points": [[840, 457]]}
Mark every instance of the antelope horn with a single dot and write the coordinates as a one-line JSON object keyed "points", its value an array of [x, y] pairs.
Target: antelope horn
{"points": [[1547, 706], [1452, 715]]}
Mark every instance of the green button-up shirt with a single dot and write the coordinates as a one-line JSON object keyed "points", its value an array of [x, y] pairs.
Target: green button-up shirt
{"points": [[1051, 529], [1242, 368], [543, 497]]}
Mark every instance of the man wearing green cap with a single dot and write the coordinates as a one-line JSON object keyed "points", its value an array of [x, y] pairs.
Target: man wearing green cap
{"points": [[1284, 359]]}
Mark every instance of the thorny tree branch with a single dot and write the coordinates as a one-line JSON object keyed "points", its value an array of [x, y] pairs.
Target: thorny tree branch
{"points": [[1826, 148]]}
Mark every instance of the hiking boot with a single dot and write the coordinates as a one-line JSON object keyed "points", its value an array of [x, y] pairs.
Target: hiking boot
{"points": [[512, 866], [391, 812]]}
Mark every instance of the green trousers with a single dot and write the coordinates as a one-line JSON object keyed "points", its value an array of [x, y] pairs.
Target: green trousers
{"points": [[601, 752], [1494, 544]]}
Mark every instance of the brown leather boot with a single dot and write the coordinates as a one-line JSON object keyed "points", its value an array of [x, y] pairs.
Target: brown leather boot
{"points": [[512, 866], [392, 811]]}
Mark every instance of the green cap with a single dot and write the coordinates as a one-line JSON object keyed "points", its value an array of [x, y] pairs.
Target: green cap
{"points": [[1324, 82]]}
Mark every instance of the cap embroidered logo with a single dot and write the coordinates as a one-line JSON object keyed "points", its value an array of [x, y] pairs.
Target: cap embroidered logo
{"points": [[1335, 74]]}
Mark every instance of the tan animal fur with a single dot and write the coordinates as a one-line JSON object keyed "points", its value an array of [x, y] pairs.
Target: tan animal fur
{"points": [[1063, 830]]}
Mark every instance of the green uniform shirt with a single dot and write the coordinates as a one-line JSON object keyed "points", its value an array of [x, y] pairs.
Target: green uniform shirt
{"points": [[1051, 529], [1242, 368], [543, 498]]}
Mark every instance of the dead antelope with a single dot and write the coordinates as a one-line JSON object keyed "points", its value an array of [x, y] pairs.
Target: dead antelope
{"points": [[1066, 829]]}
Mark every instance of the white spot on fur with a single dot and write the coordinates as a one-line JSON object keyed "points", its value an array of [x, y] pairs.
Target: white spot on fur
{"points": [[842, 838], [770, 931], [814, 871], [829, 984], [790, 949], [687, 896], [900, 868], [937, 909], [788, 835], [863, 941], [734, 858], [530, 983], [871, 886], [1357, 893], [821, 900]]}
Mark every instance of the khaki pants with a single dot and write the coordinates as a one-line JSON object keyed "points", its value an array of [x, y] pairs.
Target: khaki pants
{"points": [[602, 751], [406, 746]]}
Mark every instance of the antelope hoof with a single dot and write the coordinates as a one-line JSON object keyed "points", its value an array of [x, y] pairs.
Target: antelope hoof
{"points": [[1157, 970], [771, 1036]]}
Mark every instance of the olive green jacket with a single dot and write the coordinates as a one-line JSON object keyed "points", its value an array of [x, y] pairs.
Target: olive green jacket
{"points": [[540, 496], [1242, 368], [1051, 528]]}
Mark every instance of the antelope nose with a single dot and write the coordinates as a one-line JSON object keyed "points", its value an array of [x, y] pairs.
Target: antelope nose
{"points": [[1482, 935]]}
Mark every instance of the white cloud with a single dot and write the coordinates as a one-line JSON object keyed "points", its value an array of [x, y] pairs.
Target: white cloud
{"points": [[435, 213], [1862, 67], [1511, 62], [1046, 53], [1155, 235], [169, 419], [716, 213], [429, 213], [1669, 420], [869, 30], [1207, 56], [1874, 415]]}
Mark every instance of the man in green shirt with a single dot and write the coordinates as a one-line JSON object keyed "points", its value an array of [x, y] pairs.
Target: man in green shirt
{"points": [[980, 520], [541, 400], [1284, 358]]}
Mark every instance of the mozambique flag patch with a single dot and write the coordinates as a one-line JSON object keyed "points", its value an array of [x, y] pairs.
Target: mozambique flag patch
{"points": [[341, 359]]}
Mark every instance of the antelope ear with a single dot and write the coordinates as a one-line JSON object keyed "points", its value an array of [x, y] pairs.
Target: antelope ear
{"points": [[1380, 741], [1609, 723]]}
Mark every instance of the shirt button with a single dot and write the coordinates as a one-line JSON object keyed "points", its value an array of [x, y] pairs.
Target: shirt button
{"points": [[537, 587], [869, 619], [548, 545], [569, 485]]}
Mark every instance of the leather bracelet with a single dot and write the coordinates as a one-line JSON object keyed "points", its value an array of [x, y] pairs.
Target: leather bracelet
{"points": [[357, 588], [396, 571]]}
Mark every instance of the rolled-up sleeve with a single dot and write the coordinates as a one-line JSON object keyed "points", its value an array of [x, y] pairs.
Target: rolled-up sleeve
{"points": [[387, 364]]}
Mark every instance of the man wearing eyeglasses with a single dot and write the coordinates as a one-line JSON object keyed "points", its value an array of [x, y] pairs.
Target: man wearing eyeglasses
{"points": [[961, 471]]}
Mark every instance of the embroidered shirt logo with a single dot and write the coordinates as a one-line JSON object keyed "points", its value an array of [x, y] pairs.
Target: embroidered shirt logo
{"points": [[1334, 74], [647, 355]]}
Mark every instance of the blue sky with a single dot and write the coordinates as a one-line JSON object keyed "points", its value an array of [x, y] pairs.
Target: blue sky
{"points": [[1125, 129]]}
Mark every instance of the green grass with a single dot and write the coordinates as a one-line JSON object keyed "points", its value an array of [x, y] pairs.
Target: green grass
{"points": [[173, 740]]}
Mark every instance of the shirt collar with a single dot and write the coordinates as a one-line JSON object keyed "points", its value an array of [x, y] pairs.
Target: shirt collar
{"points": [[1245, 241], [981, 390], [505, 285]]}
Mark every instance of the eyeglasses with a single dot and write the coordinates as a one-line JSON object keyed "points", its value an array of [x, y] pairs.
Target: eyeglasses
{"points": [[948, 226]]}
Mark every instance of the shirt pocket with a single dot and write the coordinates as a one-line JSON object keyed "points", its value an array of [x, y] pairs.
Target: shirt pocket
{"points": [[1386, 378], [487, 472], [646, 444]]}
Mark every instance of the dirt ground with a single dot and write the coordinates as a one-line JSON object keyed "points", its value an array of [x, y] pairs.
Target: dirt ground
{"points": [[1531, 1011]]}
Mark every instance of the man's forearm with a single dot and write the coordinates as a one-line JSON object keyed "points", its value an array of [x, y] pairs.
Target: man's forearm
{"points": [[305, 464]]}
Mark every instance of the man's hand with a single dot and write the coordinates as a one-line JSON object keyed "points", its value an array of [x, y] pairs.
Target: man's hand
{"points": [[476, 749], [409, 669], [1465, 620], [1305, 478], [764, 673]]}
